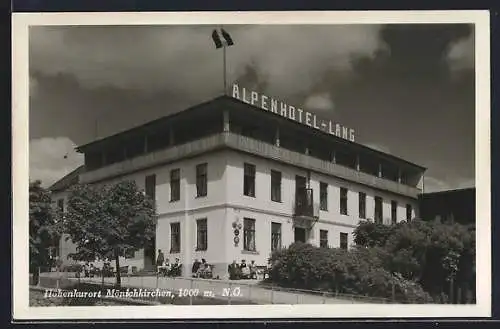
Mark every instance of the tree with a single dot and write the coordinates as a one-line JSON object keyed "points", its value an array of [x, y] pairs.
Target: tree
{"points": [[107, 221], [41, 227], [437, 255], [370, 234]]}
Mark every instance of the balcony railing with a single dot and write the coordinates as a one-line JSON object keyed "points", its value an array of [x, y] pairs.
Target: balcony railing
{"points": [[304, 204], [247, 145]]}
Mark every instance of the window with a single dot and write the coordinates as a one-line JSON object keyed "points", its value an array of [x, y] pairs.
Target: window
{"points": [[409, 211], [362, 205], [323, 238], [201, 180], [175, 185], [249, 234], [60, 205], [249, 180], [343, 201], [343, 241], [394, 212], [129, 253], [53, 252], [151, 187], [275, 236], [201, 234], [175, 237], [275, 186], [378, 210], [323, 196]]}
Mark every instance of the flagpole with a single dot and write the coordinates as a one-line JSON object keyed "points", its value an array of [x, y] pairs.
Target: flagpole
{"points": [[224, 64], [217, 35]]}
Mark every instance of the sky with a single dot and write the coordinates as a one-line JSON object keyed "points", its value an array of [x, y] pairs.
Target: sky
{"points": [[407, 90]]}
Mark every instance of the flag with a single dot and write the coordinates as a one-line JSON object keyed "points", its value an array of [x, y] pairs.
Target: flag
{"points": [[219, 42], [227, 37]]}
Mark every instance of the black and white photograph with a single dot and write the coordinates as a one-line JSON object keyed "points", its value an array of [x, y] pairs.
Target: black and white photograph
{"points": [[252, 165]]}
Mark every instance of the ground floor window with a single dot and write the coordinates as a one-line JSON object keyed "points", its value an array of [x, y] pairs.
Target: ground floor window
{"points": [[408, 212], [275, 236], [201, 234], [323, 238], [343, 240], [300, 234], [175, 237], [249, 234], [129, 253]]}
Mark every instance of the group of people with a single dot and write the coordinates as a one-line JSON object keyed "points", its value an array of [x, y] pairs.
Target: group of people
{"points": [[242, 271], [204, 270], [201, 269], [165, 268], [89, 270]]}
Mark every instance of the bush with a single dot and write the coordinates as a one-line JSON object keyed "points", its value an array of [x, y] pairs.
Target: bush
{"points": [[359, 271]]}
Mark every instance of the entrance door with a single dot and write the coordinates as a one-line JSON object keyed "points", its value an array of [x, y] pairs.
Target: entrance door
{"points": [[149, 255], [300, 182], [300, 234], [300, 186]]}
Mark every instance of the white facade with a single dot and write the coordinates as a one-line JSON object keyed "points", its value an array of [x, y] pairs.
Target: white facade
{"points": [[226, 203]]}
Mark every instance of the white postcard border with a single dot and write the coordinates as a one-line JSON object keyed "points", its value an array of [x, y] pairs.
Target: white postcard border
{"points": [[20, 166]]}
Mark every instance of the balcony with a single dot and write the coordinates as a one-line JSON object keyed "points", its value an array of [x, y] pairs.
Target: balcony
{"points": [[270, 151], [250, 146], [304, 203], [306, 211]]}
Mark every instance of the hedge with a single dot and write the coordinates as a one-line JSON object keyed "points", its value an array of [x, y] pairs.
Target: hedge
{"points": [[358, 271]]}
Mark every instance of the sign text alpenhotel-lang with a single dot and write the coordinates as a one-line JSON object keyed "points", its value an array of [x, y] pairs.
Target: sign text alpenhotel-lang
{"points": [[292, 113]]}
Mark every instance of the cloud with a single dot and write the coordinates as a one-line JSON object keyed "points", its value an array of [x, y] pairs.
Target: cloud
{"points": [[319, 102], [155, 58], [47, 159], [461, 54], [466, 183], [433, 184]]}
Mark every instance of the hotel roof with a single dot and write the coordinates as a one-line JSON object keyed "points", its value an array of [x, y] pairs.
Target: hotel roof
{"points": [[225, 102]]}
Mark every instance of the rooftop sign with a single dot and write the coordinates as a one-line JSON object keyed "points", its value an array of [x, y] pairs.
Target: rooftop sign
{"points": [[292, 113]]}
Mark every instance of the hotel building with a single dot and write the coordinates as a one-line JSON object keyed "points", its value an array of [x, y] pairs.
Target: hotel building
{"points": [[235, 181]]}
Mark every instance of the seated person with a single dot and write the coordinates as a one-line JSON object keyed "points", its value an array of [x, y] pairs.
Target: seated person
{"points": [[205, 271], [164, 268], [195, 268], [245, 271], [175, 269]]}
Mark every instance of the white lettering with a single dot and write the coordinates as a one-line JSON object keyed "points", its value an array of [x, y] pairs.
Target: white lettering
{"points": [[315, 125], [244, 96], [291, 112], [308, 118], [283, 109], [263, 102], [236, 91], [274, 105], [288, 111], [237, 291], [351, 135], [345, 132], [255, 97], [300, 114]]}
